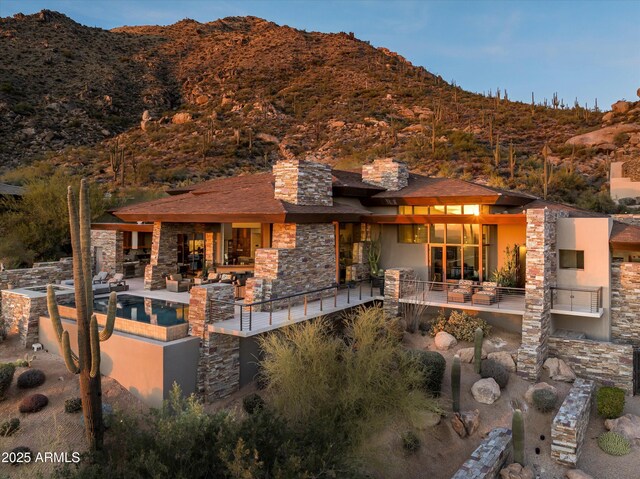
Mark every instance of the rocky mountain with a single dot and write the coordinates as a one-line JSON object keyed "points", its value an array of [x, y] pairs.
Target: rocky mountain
{"points": [[189, 101]]}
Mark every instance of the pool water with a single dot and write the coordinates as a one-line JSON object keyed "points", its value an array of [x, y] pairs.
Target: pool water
{"points": [[144, 310]]}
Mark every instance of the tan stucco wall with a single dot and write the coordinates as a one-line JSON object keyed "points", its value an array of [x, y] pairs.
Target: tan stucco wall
{"points": [[403, 255], [145, 367], [622, 187], [592, 236]]}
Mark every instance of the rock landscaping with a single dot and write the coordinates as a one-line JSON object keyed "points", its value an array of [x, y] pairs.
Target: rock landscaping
{"points": [[445, 341], [486, 391], [559, 370]]}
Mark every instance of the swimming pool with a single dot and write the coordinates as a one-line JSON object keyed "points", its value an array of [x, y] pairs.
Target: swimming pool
{"points": [[143, 310]]}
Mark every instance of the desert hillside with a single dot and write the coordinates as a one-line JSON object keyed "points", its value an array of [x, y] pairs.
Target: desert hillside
{"points": [[193, 100]]}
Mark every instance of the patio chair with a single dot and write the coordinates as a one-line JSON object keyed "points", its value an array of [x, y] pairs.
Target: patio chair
{"points": [[101, 277], [461, 293], [176, 284], [487, 295], [117, 283]]}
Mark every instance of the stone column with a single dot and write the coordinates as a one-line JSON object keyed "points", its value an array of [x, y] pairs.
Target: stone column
{"points": [[218, 373], [23, 313], [164, 255], [625, 302], [392, 279], [541, 273], [112, 244]]}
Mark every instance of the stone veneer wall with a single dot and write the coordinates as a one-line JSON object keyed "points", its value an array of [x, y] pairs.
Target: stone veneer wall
{"points": [[112, 244], [541, 273], [218, 373], [488, 458], [625, 302], [392, 289], [303, 182], [22, 313], [609, 364], [40, 274], [302, 258], [387, 173], [570, 424]]}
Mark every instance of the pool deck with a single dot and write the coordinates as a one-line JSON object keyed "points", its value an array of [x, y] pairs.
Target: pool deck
{"points": [[136, 288]]}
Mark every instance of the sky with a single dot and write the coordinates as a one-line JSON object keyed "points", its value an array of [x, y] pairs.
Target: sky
{"points": [[586, 49]]}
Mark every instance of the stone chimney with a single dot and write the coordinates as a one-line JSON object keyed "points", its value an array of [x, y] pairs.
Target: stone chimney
{"points": [[387, 173], [303, 182]]}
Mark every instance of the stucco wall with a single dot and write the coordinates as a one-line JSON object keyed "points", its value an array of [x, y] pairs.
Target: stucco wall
{"points": [[403, 255], [590, 235], [620, 186], [508, 235], [145, 367]]}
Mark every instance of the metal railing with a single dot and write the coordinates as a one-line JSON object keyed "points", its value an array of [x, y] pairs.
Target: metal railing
{"points": [[584, 300], [453, 293], [308, 299]]}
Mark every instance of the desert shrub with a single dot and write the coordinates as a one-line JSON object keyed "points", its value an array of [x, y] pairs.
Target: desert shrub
{"points": [[614, 444], [410, 442], [6, 376], [432, 366], [545, 400], [72, 405], [7, 428], [33, 403], [460, 324], [343, 387], [182, 441], [31, 378], [252, 403], [492, 369], [610, 402]]}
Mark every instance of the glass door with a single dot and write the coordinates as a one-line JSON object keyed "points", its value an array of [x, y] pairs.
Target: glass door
{"points": [[436, 263]]}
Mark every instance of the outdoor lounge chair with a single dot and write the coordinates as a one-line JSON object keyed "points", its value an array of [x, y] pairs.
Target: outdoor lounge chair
{"points": [[461, 293], [487, 295], [176, 284], [101, 277], [117, 283]]}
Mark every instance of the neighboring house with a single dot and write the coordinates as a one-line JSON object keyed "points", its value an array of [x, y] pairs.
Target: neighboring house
{"points": [[624, 181], [305, 227]]}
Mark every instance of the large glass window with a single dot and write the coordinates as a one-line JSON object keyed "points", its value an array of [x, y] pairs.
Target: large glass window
{"points": [[454, 234], [437, 209], [420, 210], [471, 209], [454, 209], [471, 234], [471, 263], [413, 234], [436, 232], [454, 263], [405, 210]]}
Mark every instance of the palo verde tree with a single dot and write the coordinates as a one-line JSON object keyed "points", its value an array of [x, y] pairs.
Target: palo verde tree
{"points": [[87, 362]]}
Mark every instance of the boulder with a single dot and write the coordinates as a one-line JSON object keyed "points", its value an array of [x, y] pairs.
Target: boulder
{"points": [[466, 423], [466, 354], [577, 474], [444, 341], [558, 370], [486, 391], [621, 106], [202, 100], [602, 136], [528, 396], [337, 124], [607, 117], [146, 118], [504, 358], [516, 471], [627, 425], [181, 118]]}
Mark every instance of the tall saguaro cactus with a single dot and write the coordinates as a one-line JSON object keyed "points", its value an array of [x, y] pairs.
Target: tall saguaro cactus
{"points": [[517, 430], [87, 362]]}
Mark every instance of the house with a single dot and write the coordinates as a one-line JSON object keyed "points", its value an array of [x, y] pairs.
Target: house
{"points": [[295, 233]]}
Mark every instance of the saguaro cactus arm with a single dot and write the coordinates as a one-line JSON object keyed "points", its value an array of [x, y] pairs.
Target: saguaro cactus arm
{"points": [[70, 358], [67, 354], [95, 347]]}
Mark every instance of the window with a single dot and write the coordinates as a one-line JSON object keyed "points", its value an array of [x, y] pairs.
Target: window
{"points": [[437, 233], [454, 234], [571, 259], [405, 210], [454, 209], [420, 210], [472, 209], [412, 234], [437, 210]]}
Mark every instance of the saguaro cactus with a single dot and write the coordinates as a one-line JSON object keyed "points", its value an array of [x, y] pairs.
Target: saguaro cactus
{"points": [[87, 362], [455, 383], [517, 430], [477, 349]]}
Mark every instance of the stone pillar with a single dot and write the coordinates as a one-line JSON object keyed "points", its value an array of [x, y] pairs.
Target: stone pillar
{"points": [[218, 373], [22, 313], [387, 173], [392, 279], [541, 273], [359, 269], [303, 182], [209, 249], [164, 255], [625, 302], [112, 246]]}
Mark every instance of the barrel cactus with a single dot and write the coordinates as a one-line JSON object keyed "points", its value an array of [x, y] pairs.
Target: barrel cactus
{"points": [[614, 444], [87, 362]]}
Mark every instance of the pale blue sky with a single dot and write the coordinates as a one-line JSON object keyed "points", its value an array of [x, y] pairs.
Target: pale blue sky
{"points": [[583, 48]]}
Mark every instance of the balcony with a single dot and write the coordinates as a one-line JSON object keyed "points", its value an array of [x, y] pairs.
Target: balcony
{"points": [[574, 301]]}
